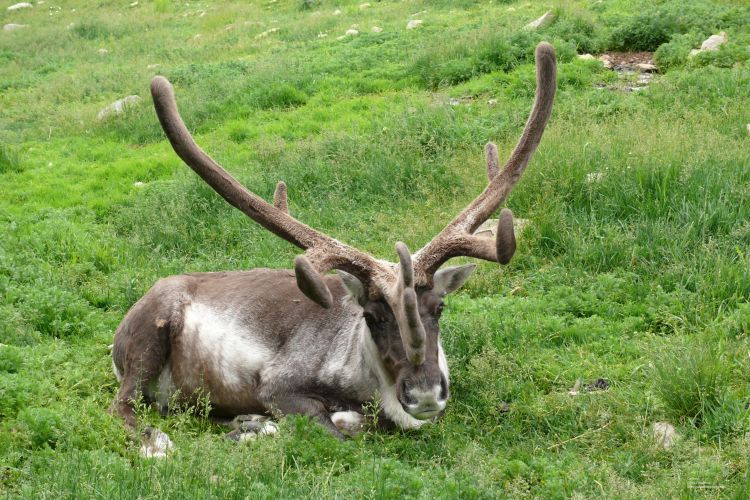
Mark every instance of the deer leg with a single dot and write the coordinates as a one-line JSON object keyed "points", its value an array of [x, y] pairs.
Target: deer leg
{"points": [[302, 405], [139, 359]]}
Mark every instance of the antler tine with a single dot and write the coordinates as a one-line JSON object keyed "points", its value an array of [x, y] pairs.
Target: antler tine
{"points": [[323, 253], [457, 238], [280, 198], [403, 301], [492, 159]]}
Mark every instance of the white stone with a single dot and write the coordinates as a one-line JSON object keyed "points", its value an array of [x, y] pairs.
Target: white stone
{"points": [[377, 29], [586, 57], [152, 66], [19, 6], [266, 33], [134, 4], [665, 434], [543, 21], [322, 35], [646, 67], [337, 12], [138, 184], [492, 102], [103, 51], [13, 26], [414, 23], [351, 32], [118, 107]]}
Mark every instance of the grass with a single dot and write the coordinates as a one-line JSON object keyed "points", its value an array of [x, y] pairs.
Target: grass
{"points": [[637, 274]]}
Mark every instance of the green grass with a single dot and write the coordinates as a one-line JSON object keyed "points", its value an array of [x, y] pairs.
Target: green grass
{"points": [[639, 277]]}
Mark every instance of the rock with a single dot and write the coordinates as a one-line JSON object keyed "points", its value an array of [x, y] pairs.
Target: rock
{"points": [[118, 107], [543, 21], [646, 67], [152, 66], [364, 6], [665, 434], [586, 57], [13, 26], [414, 23], [337, 12], [710, 44], [594, 177], [607, 61], [103, 51], [19, 6], [492, 102], [377, 29], [322, 35], [351, 32], [714, 41], [138, 184]]}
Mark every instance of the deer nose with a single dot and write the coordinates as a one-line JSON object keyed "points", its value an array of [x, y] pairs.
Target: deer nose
{"points": [[428, 403]]}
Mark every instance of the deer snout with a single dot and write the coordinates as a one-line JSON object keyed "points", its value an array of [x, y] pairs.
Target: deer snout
{"points": [[425, 403]]}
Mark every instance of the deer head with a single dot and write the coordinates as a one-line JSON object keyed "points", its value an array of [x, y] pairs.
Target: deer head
{"points": [[401, 301]]}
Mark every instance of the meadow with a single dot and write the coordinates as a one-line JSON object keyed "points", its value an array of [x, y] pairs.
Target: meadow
{"points": [[634, 266]]}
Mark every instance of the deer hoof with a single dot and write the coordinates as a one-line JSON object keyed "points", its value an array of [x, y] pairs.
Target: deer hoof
{"points": [[350, 423], [156, 444]]}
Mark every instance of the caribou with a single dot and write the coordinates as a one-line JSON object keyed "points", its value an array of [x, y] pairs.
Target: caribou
{"points": [[265, 343]]}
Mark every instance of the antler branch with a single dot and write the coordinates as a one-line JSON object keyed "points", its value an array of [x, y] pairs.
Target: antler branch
{"points": [[457, 238]]}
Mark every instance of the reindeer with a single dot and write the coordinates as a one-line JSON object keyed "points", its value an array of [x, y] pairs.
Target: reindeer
{"points": [[273, 342]]}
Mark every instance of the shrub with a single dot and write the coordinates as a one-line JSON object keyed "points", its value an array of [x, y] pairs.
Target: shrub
{"points": [[43, 426], [676, 52]]}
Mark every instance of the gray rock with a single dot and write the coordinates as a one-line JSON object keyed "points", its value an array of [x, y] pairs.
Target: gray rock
{"points": [[665, 434], [543, 21], [413, 24], [710, 44], [13, 26], [118, 107], [19, 6], [607, 61]]}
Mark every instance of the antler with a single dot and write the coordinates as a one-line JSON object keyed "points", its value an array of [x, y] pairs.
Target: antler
{"points": [[322, 253], [457, 238]]}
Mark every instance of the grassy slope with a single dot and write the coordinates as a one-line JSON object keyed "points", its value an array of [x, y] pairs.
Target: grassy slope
{"points": [[640, 278]]}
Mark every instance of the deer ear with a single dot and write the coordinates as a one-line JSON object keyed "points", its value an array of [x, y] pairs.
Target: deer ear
{"points": [[354, 286], [450, 279]]}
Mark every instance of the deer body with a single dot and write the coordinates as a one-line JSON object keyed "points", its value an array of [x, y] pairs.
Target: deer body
{"points": [[248, 338], [303, 342]]}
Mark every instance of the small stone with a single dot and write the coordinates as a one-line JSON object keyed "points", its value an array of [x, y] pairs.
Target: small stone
{"points": [[414, 23], [118, 107], [134, 4], [492, 102], [138, 184], [103, 51], [594, 177], [607, 61], [665, 434], [153, 66], [646, 67], [351, 32], [13, 26], [322, 35], [21, 5], [364, 6], [586, 57], [543, 21], [337, 12], [377, 29], [266, 33]]}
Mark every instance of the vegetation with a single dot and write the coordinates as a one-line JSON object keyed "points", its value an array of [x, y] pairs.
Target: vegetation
{"points": [[633, 267]]}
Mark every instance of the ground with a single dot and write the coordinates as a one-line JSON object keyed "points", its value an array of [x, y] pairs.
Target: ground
{"points": [[632, 267]]}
